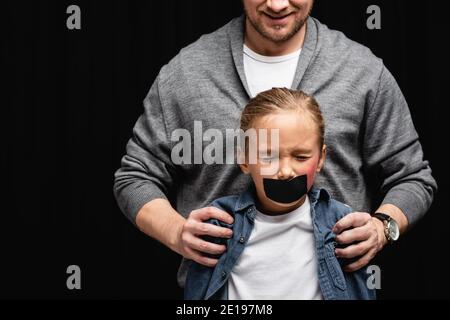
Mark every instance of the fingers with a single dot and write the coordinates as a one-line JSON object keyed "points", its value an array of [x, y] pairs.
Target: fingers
{"points": [[201, 228], [362, 262], [357, 234], [194, 247], [196, 226], [358, 249], [201, 245], [365, 234], [199, 258], [354, 219], [211, 213]]}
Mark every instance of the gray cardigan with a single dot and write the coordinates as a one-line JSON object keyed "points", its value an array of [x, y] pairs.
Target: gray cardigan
{"points": [[374, 153]]}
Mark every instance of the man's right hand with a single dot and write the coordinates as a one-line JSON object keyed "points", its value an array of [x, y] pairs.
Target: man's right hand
{"points": [[190, 243]]}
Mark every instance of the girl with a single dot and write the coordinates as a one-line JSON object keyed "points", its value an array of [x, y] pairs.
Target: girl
{"points": [[282, 245]]}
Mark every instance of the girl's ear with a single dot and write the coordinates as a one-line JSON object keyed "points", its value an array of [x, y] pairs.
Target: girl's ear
{"points": [[242, 161], [245, 169], [240, 155], [323, 155]]}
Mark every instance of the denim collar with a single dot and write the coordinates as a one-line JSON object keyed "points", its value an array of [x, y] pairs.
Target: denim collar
{"points": [[246, 200]]}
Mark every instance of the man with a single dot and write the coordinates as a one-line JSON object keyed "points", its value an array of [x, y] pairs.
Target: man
{"points": [[374, 164]]}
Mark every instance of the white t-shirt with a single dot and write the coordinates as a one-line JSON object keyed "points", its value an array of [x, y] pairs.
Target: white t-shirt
{"points": [[279, 260], [264, 73]]}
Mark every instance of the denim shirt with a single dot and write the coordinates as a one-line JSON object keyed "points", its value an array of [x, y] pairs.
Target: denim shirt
{"points": [[212, 282]]}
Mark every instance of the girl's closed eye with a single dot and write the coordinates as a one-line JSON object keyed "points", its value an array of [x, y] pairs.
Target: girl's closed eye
{"points": [[302, 158], [268, 159]]}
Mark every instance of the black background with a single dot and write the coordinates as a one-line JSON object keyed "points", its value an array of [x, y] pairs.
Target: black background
{"points": [[71, 97]]}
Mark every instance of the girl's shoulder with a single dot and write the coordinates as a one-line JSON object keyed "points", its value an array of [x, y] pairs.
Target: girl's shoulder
{"points": [[227, 203], [323, 201], [341, 207]]}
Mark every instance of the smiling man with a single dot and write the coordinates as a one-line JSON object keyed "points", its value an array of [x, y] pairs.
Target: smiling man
{"points": [[375, 165], [274, 28]]}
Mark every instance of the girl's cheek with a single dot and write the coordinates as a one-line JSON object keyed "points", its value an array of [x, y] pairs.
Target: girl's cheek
{"points": [[311, 173]]}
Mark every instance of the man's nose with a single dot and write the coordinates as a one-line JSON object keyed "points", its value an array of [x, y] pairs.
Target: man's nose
{"points": [[277, 5]]}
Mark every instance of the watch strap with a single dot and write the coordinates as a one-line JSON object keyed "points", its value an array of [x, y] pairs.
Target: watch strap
{"points": [[385, 219], [382, 216]]}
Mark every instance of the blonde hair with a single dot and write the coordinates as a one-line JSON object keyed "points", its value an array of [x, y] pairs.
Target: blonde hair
{"points": [[280, 100]]}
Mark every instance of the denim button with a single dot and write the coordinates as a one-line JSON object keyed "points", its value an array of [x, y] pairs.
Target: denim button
{"points": [[241, 240], [224, 274]]}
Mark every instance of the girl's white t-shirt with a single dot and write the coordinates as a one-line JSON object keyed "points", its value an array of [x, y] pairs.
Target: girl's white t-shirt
{"points": [[279, 260]]}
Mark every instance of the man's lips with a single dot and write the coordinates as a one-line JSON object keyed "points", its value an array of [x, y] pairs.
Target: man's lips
{"points": [[278, 19]]}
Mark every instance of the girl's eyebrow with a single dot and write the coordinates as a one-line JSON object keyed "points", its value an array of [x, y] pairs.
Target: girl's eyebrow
{"points": [[302, 150], [295, 149]]}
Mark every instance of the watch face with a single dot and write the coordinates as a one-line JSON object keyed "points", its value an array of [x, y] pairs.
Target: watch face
{"points": [[393, 230]]}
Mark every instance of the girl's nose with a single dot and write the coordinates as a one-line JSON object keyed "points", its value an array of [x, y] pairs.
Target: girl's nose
{"points": [[285, 171]]}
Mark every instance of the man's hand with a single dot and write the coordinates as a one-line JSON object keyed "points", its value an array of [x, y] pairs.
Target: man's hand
{"points": [[191, 246], [367, 232]]}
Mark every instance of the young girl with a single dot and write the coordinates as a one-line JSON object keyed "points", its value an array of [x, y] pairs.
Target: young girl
{"points": [[282, 245]]}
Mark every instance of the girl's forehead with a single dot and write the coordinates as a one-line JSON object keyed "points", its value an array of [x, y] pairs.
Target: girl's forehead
{"points": [[285, 120], [296, 131]]}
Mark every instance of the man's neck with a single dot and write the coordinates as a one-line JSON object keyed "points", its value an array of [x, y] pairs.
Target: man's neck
{"points": [[259, 44]]}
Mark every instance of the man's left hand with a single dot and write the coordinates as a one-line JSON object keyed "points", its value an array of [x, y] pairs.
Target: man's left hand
{"points": [[366, 236]]}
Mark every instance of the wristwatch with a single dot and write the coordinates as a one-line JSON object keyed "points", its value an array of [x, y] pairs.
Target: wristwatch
{"points": [[391, 229]]}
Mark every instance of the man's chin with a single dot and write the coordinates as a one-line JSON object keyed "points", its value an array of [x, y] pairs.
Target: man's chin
{"points": [[279, 35]]}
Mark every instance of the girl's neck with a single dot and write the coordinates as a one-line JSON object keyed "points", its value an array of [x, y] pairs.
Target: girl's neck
{"points": [[274, 210]]}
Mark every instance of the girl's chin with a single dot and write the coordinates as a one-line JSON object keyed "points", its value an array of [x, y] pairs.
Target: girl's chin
{"points": [[287, 205], [280, 208]]}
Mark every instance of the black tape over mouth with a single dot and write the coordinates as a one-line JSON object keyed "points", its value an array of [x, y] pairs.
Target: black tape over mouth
{"points": [[285, 191]]}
